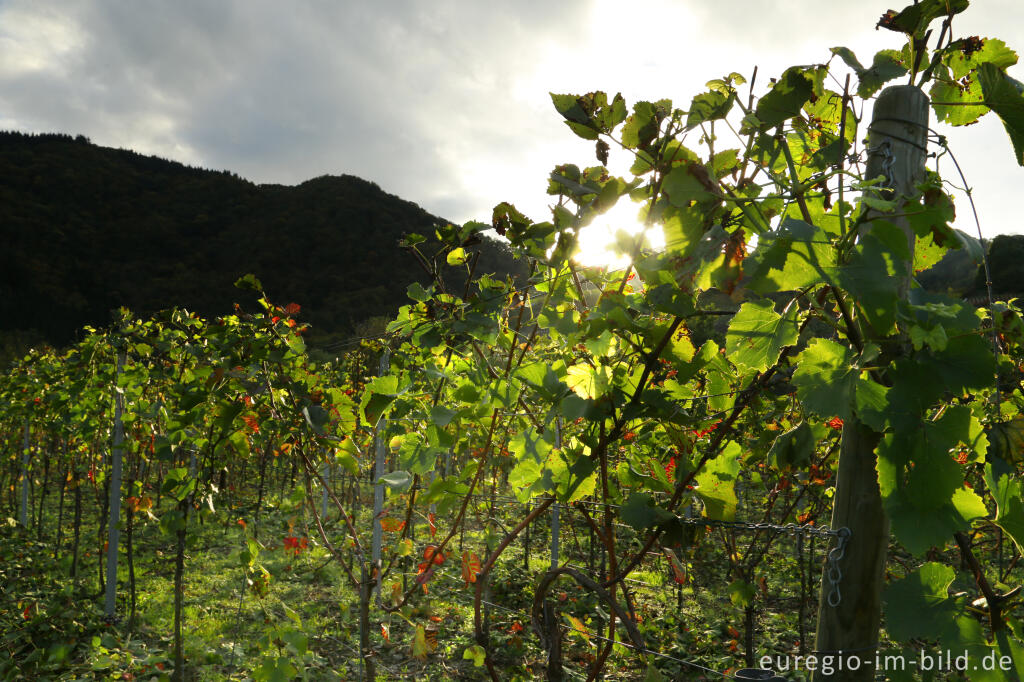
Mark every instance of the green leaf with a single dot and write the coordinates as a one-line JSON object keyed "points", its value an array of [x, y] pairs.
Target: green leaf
{"points": [[795, 256], [919, 604], [570, 107], [919, 530], [1003, 96], [178, 483], [416, 292], [709, 106], [398, 480], [316, 417], [1006, 490], [295, 344], [441, 416], [683, 229], [872, 275], [295, 499], [793, 449], [687, 183], [785, 99], [640, 512], [958, 106], [757, 334], [476, 654], [347, 456], [716, 484], [172, 520], [741, 593], [378, 397], [249, 282], [227, 413], [277, 669], [825, 378], [914, 19], [961, 58], [525, 479], [885, 66], [642, 126]]}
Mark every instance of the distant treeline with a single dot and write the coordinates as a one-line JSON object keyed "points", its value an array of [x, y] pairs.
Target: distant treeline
{"points": [[87, 229]]}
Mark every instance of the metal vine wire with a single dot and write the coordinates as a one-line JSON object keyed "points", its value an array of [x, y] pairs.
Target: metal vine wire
{"points": [[942, 142]]}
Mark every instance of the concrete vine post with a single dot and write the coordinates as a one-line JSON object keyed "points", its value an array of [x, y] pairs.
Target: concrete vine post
{"points": [[850, 607]]}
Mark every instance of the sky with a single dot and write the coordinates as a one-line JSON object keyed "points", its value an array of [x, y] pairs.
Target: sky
{"points": [[441, 102]]}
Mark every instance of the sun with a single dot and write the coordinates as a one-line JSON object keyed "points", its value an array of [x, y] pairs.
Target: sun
{"points": [[601, 242]]}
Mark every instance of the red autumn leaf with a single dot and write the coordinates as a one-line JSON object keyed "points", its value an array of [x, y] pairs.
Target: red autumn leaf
{"points": [[430, 522], [835, 423], [431, 553], [292, 309], [391, 525], [295, 545], [470, 567], [252, 423]]}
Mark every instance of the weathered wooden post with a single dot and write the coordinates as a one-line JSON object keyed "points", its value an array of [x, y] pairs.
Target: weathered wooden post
{"points": [[114, 521], [555, 521], [379, 469], [851, 590]]}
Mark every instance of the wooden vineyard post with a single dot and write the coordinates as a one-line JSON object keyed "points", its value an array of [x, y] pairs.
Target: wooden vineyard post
{"points": [[555, 521], [850, 606], [113, 524], [379, 469]]}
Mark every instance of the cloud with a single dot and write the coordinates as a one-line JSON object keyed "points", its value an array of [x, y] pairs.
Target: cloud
{"points": [[400, 93], [444, 103]]}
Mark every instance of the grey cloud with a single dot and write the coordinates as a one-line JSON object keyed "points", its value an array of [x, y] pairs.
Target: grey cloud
{"points": [[283, 92]]}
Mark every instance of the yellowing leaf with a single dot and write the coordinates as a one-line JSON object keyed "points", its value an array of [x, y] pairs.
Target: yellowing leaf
{"points": [[588, 382], [419, 644], [678, 570], [456, 256], [578, 627]]}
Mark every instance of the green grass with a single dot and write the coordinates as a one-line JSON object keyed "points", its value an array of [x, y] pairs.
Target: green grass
{"points": [[307, 622]]}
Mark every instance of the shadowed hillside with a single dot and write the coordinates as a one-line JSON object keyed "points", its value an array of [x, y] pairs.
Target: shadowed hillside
{"points": [[87, 229]]}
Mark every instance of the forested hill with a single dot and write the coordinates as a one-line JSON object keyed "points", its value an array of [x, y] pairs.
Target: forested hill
{"points": [[87, 229]]}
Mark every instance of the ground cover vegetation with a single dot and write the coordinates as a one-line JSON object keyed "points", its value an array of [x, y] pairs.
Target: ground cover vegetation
{"points": [[559, 478]]}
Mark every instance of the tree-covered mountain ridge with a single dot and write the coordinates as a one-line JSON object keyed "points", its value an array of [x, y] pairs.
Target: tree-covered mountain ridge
{"points": [[88, 229]]}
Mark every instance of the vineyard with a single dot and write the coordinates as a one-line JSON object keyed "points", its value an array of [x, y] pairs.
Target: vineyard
{"points": [[761, 448]]}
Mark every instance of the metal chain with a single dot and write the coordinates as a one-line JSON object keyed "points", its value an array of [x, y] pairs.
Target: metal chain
{"points": [[835, 574], [835, 555], [888, 163]]}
